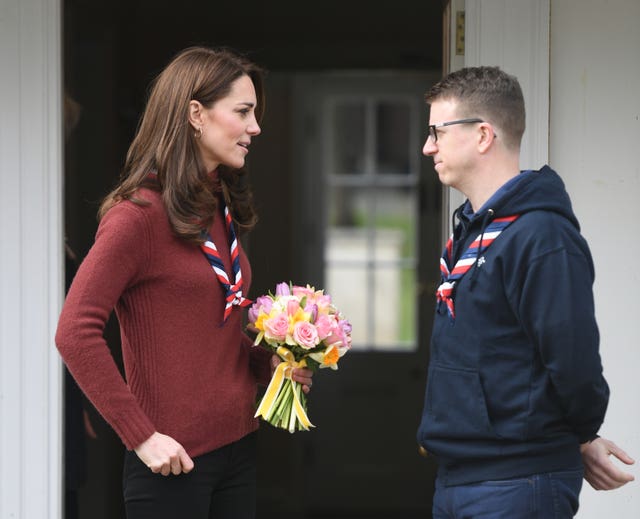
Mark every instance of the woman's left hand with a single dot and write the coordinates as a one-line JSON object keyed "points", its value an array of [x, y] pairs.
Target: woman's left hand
{"points": [[301, 375]]}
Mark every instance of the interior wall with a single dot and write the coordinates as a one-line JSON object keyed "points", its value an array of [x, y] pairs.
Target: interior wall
{"points": [[594, 136]]}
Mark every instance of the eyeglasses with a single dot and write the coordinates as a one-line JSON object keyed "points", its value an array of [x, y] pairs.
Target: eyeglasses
{"points": [[433, 127]]}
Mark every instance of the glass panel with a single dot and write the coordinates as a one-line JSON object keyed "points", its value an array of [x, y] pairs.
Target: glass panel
{"points": [[346, 256], [396, 210], [349, 207], [348, 287], [395, 276], [394, 309], [348, 138], [369, 263], [392, 142], [370, 247]]}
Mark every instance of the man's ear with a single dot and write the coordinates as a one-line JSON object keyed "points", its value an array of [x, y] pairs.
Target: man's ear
{"points": [[486, 137], [196, 114]]}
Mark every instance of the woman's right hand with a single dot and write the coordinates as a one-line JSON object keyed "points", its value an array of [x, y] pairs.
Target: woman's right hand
{"points": [[163, 454]]}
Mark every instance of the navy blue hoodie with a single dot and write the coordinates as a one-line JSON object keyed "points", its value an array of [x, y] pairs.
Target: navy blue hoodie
{"points": [[515, 381]]}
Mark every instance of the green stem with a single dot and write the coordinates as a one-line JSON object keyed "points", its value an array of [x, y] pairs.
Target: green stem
{"points": [[287, 408], [270, 414]]}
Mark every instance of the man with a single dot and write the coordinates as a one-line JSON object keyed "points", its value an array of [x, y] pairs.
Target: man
{"points": [[515, 392]]}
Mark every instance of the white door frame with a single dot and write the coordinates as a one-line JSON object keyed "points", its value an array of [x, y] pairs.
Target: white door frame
{"points": [[31, 266], [514, 35]]}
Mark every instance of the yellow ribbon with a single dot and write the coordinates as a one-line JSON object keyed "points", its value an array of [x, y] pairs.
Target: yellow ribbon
{"points": [[284, 370]]}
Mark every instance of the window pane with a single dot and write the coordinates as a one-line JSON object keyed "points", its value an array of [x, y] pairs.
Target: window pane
{"points": [[346, 257], [370, 234], [392, 130], [395, 255], [370, 263], [349, 289], [348, 138], [396, 212], [349, 207], [394, 298]]}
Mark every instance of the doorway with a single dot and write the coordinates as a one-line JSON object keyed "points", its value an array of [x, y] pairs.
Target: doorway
{"points": [[367, 210], [356, 463]]}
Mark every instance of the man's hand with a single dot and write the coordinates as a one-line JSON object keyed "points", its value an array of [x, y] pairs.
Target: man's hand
{"points": [[599, 470], [163, 454]]}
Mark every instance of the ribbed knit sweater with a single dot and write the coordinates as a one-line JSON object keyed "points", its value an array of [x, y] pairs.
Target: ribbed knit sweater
{"points": [[187, 375]]}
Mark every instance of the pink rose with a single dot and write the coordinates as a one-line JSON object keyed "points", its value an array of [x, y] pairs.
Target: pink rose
{"points": [[276, 328], [334, 339], [300, 292], [323, 325], [315, 297], [305, 334], [323, 301], [293, 305], [339, 336]]}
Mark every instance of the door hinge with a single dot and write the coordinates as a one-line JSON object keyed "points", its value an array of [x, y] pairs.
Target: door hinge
{"points": [[460, 33]]}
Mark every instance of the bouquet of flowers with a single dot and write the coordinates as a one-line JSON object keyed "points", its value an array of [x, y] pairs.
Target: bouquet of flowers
{"points": [[305, 329]]}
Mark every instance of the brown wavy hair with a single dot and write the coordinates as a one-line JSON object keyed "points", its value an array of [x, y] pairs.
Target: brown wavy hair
{"points": [[165, 143]]}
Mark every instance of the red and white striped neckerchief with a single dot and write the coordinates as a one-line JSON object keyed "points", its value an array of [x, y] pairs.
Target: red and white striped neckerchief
{"points": [[444, 293], [233, 288]]}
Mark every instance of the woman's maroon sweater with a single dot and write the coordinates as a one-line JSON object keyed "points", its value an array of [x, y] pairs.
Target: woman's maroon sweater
{"points": [[187, 375]]}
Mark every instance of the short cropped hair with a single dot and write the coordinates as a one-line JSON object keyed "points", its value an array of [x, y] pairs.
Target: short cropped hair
{"points": [[488, 93]]}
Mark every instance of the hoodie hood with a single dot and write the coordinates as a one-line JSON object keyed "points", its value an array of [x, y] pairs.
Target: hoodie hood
{"points": [[532, 191]]}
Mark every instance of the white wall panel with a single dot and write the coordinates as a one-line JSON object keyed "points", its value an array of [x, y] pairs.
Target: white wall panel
{"points": [[594, 140], [31, 271]]}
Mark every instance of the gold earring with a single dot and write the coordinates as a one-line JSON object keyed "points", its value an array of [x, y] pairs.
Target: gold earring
{"points": [[198, 133]]}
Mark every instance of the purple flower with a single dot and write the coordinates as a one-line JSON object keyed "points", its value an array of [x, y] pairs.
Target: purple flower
{"points": [[313, 309], [262, 304], [346, 326], [282, 289], [253, 312]]}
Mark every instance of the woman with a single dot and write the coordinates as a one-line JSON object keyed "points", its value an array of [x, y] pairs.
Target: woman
{"points": [[166, 257]]}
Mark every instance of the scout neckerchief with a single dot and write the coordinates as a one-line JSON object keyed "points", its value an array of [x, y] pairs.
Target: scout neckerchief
{"points": [[444, 293], [233, 290]]}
